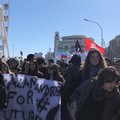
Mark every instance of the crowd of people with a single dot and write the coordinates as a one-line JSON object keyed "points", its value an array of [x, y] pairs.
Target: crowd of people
{"points": [[90, 89]]}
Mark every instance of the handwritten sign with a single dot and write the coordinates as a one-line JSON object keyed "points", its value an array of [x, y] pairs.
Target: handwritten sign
{"points": [[31, 99]]}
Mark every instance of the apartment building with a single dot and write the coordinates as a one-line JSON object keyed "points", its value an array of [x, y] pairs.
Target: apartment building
{"points": [[113, 50]]}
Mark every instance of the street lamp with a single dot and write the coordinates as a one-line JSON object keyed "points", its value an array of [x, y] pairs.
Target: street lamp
{"points": [[102, 40]]}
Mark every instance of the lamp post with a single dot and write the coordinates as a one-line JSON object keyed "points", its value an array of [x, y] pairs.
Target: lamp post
{"points": [[102, 40]]}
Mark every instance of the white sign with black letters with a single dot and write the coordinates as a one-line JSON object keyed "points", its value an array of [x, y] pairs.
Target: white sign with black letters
{"points": [[31, 99]]}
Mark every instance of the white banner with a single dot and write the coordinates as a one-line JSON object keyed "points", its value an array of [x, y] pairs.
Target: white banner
{"points": [[31, 99], [68, 55]]}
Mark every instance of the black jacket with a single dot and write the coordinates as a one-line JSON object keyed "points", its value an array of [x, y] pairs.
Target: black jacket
{"points": [[80, 96]]}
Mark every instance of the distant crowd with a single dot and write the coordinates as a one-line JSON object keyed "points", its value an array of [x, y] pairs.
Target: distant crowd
{"points": [[90, 89]]}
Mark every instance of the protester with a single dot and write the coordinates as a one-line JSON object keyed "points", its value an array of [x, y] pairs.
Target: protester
{"points": [[14, 65], [71, 83], [70, 77], [93, 63], [108, 61], [97, 98], [0, 61], [4, 68], [30, 57], [50, 61], [73, 70], [42, 65], [63, 67], [21, 63], [3, 98], [58, 62], [117, 65], [34, 70], [53, 73], [25, 67]]}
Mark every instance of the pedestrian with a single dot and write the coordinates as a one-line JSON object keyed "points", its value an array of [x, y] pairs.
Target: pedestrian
{"points": [[93, 63], [14, 65], [117, 65], [108, 61], [4, 68], [53, 73], [3, 98], [42, 65], [97, 98], [71, 83], [34, 69], [25, 67]]}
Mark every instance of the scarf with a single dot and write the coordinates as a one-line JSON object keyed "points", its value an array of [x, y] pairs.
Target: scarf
{"points": [[93, 70], [99, 93]]}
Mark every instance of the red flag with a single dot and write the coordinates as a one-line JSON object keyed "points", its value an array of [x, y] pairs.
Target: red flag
{"points": [[90, 44], [63, 56]]}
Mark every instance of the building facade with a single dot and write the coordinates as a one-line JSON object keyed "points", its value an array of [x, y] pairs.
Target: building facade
{"points": [[113, 50], [49, 55], [67, 43]]}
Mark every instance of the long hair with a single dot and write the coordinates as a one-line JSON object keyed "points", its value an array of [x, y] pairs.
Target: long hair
{"points": [[36, 70], [86, 63], [24, 67], [56, 73], [8, 68]]}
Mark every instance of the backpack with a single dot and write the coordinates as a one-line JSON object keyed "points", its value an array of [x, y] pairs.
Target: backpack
{"points": [[3, 100]]}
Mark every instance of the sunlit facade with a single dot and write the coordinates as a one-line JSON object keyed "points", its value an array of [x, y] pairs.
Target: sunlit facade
{"points": [[67, 43], [114, 48]]}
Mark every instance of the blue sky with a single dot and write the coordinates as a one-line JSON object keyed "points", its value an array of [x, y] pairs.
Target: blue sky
{"points": [[33, 23]]}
